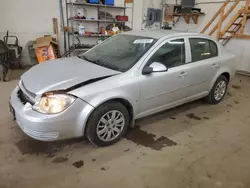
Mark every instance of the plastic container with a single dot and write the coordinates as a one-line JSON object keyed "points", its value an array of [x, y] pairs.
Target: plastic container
{"points": [[81, 29], [108, 2], [94, 1]]}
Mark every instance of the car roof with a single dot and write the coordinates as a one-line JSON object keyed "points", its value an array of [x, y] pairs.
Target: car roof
{"points": [[157, 34]]}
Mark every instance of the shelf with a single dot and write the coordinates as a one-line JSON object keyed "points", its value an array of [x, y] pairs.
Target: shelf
{"points": [[88, 20], [188, 16], [81, 49], [96, 5], [73, 37], [93, 35]]}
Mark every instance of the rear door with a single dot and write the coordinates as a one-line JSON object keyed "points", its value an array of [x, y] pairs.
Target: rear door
{"points": [[204, 65]]}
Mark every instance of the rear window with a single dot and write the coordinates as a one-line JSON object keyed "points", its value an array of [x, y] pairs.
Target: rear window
{"points": [[202, 49]]}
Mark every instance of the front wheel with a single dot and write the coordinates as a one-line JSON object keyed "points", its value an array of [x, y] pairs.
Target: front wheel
{"points": [[218, 91], [107, 124]]}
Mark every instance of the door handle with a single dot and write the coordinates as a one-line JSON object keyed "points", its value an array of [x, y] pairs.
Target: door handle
{"points": [[182, 74], [215, 65]]}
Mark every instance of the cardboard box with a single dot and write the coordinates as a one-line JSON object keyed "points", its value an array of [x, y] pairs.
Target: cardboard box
{"points": [[45, 49], [128, 1]]}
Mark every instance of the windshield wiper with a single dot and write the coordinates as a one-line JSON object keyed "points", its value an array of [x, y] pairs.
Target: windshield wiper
{"points": [[110, 66], [89, 60], [100, 63]]}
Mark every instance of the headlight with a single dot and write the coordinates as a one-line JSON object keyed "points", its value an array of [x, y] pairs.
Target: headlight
{"points": [[53, 104]]}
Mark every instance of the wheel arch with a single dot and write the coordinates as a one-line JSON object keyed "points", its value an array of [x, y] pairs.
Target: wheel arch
{"points": [[121, 100], [225, 73]]}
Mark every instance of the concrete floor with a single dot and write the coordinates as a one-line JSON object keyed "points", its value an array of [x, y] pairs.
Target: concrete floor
{"points": [[195, 145]]}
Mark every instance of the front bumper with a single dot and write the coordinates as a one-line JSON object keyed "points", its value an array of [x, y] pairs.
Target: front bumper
{"points": [[68, 124]]}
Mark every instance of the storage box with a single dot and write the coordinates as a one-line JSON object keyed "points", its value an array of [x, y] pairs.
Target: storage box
{"points": [[122, 18], [108, 2], [94, 1], [45, 49]]}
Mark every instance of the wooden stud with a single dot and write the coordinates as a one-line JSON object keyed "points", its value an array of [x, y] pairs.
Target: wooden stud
{"points": [[56, 31], [241, 36], [244, 20], [55, 28], [225, 16], [169, 18], [195, 18], [230, 23], [244, 11], [215, 16], [68, 29], [220, 23], [187, 18], [128, 1]]}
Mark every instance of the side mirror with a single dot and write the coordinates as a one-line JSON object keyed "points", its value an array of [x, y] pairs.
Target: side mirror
{"points": [[154, 67]]}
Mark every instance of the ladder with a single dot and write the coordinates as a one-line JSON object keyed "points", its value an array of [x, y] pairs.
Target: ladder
{"points": [[235, 27]]}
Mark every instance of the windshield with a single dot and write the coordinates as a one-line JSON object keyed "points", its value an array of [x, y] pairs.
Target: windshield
{"points": [[120, 52]]}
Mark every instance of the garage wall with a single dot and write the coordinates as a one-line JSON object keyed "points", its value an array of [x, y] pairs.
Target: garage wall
{"points": [[238, 46], [29, 19]]}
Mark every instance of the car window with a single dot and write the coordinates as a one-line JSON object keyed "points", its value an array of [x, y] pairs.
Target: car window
{"points": [[120, 52], [171, 54], [213, 49], [202, 49]]}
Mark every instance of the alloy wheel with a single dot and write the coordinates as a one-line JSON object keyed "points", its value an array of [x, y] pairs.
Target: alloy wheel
{"points": [[220, 90], [110, 126]]}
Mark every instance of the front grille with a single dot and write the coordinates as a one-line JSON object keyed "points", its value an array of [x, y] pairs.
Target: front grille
{"points": [[24, 98]]}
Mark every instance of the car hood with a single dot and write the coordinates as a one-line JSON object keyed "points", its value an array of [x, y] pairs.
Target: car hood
{"points": [[62, 74]]}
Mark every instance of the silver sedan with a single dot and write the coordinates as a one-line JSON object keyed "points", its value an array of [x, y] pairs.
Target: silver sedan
{"points": [[100, 93]]}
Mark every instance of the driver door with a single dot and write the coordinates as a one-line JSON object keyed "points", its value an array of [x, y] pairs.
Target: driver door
{"points": [[161, 90]]}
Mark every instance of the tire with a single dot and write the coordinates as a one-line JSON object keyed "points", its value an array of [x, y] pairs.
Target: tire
{"points": [[211, 98], [102, 121]]}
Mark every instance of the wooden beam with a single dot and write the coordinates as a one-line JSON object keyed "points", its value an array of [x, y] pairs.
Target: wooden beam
{"points": [[230, 23], [187, 18], [225, 16], [240, 36], [56, 31], [215, 16], [244, 20], [220, 23], [195, 18], [244, 11]]}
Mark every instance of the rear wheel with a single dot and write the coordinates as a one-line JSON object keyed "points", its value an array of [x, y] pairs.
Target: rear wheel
{"points": [[107, 124], [218, 92]]}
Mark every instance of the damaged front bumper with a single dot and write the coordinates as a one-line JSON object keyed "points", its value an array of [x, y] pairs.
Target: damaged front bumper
{"points": [[50, 127]]}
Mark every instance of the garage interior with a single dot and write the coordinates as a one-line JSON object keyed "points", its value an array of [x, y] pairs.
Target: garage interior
{"points": [[194, 145]]}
